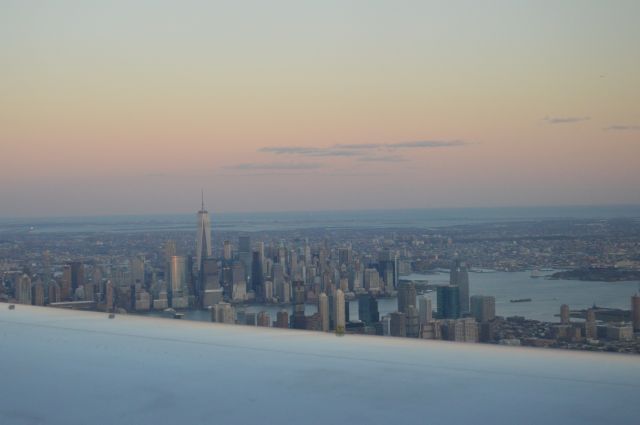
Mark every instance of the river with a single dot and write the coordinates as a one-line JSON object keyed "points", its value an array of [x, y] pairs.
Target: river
{"points": [[546, 296]]}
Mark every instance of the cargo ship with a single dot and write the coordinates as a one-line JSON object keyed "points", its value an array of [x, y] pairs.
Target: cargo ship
{"points": [[521, 300]]}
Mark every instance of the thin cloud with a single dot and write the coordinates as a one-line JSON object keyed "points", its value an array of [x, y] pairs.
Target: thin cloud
{"points": [[333, 152], [311, 152], [355, 174], [422, 144], [359, 150], [249, 166], [264, 173], [360, 146], [623, 128], [288, 150], [386, 158], [565, 120]]}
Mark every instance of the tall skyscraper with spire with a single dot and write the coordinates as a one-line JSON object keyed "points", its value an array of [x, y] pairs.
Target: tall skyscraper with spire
{"points": [[203, 239]]}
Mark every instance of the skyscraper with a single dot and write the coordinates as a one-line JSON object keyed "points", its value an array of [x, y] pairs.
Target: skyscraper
{"points": [[565, 314], [38, 293], [368, 309], [244, 253], [344, 256], [268, 290], [203, 238], [388, 268], [425, 311], [54, 293], [372, 280], [462, 330], [257, 275], [210, 292], [483, 308], [340, 311], [136, 269], [108, 296], [347, 316], [293, 264], [406, 296], [77, 275], [323, 309], [307, 252], [281, 286], [590, 326], [459, 276], [178, 275], [412, 322], [23, 290], [211, 277], [237, 273], [225, 313], [298, 319], [449, 302], [65, 285], [227, 250], [398, 324], [170, 250], [89, 291], [635, 312], [282, 319], [264, 319]]}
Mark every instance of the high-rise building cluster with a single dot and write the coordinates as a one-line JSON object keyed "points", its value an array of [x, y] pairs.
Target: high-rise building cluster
{"points": [[314, 284], [457, 317]]}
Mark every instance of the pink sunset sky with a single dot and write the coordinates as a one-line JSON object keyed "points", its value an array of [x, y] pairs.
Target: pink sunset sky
{"points": [[131, 107]]}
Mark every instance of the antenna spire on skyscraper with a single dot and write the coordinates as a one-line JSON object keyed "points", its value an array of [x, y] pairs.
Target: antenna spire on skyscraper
{"points": [[203, 239]]}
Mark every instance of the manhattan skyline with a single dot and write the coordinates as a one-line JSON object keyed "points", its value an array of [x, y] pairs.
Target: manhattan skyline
{"points": [[367, 211], [302, 106]]}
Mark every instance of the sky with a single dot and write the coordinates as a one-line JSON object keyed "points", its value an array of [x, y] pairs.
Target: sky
{"points": [[133, 107]]}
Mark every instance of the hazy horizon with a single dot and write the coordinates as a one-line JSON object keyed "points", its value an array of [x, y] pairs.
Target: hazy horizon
{"points": [[132, 107], [471, 212]]}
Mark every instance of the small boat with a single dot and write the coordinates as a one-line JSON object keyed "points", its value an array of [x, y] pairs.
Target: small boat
{"points": [[521, 300]]}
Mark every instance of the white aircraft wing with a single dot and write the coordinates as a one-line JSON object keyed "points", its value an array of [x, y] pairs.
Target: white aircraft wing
{"points": [[73, 367]]}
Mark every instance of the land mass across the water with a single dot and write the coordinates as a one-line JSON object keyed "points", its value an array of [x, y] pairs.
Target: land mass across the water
{"points": [[598, 274]]}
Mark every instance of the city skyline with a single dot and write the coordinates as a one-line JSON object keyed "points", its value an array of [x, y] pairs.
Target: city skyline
{"points": [[307, 106], [410, 209], [392, 279]]}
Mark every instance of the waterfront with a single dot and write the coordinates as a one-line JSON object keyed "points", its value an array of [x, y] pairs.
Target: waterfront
{"points": [[146, 272], [546, 296]]}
